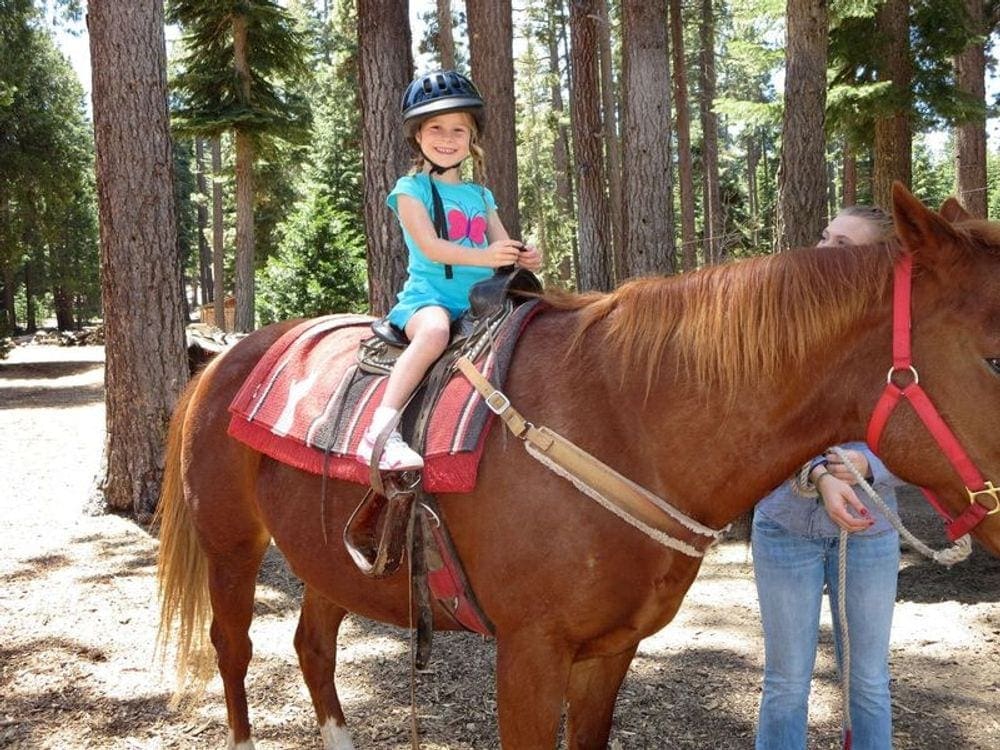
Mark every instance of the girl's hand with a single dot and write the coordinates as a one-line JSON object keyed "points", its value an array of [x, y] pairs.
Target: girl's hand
{"points": [[502, 253], [838, 469], [529, 258], [838, 499]]}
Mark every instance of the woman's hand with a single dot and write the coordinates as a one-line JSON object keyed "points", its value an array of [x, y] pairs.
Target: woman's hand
{"points": [[838, 499], [529, 258], [837, 467]]}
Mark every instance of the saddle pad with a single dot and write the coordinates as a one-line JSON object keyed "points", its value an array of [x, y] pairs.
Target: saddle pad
{"points": [[307, 404]]}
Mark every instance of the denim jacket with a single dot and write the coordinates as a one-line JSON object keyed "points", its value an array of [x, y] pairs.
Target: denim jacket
{"points": [[806, 516]]}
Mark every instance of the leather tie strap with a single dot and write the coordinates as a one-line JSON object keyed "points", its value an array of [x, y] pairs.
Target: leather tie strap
{"points": [[631, 502]]}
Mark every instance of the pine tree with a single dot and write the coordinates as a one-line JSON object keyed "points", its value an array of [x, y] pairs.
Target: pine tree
{"points": [[239, 72]]}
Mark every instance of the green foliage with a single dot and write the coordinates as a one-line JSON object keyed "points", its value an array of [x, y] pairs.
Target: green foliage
{"points": [[320, 265], [428, 44], [544, 221], [933, 172], [48, 224], [938, 31], [210, 96]]}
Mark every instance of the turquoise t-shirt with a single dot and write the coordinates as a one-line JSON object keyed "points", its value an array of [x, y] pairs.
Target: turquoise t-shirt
{"points": [[466, 208]]}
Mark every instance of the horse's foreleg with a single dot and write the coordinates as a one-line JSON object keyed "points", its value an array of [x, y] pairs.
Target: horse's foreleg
{"points": [[232, 581], [532, 673], [316, 645], [593, 689]]}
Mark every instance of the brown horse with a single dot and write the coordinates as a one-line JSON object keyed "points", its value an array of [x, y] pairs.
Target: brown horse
{"points": [[708, 389]]}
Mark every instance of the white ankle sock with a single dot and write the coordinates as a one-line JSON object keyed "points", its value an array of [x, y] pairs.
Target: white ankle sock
{"points": [[382, 416]]}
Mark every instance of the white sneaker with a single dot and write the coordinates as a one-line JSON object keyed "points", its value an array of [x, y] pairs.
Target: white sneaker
{"points": [[396, 455]]}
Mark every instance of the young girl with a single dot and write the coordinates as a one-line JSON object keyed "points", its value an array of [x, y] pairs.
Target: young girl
{"points": [[442, 117]]}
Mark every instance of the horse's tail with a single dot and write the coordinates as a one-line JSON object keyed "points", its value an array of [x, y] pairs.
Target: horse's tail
{"points": [[182, 570]]}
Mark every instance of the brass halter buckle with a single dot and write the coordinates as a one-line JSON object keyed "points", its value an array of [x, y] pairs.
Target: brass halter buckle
{"points": [[992, 491]]}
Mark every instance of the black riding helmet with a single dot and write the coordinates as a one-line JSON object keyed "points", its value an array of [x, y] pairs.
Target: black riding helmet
{"points": [[437, 93]]}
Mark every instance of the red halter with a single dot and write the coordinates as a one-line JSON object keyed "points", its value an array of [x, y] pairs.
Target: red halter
{"points": [[975, 485]]}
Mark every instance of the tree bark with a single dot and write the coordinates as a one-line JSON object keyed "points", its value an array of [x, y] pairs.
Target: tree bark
{"points": [[970, 136], [561, 155], [593, 222], [714, 220], [753, 194], [446, 39], [30, 304], [218, 238], [146, 365], [647, 221], [802, 170], [384, 69], [893, 140], [612, 141], [491, 40], [9, 326], [850, 196], [204, 252], [244, 281], [689, 246]]}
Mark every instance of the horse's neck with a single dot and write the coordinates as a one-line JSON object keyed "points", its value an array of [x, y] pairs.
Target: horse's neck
{"points": [[711, 453]]}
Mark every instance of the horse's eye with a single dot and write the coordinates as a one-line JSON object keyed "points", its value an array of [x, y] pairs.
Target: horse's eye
{"points": [[994, 362]]}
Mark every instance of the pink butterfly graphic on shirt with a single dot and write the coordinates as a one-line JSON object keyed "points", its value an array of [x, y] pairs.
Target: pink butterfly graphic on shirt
{"points": [[460, 227]]}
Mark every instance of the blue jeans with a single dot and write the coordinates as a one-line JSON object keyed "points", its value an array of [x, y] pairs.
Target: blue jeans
{"points": [[791, 571]]}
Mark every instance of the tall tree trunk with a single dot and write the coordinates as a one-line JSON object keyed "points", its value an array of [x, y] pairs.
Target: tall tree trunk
{"points": [[146, 364], [243, 285], [30, 303], [714, 220], [802, 171], [594, 222], [893, 140], [218, 239], [689, 247], [850, 196], [385, 65], [62, 301], [612, 142], [244, 282], [9, 326], [561, 155], [204, 252], [753, 194], [491, 40], [446, 39], [647, 221], [970, 136]]}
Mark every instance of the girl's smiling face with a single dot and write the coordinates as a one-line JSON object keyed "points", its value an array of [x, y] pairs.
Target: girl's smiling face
{"points": [[447, 138]]}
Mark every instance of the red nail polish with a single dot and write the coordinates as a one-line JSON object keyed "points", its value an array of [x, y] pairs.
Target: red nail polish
{"points": [[864, 511]]}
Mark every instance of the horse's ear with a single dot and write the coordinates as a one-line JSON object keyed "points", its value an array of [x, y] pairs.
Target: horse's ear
{"points": [[954, 211], [921, 230]]}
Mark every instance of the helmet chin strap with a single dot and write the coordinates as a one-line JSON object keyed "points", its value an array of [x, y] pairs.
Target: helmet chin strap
{"points": [[437, 168]]}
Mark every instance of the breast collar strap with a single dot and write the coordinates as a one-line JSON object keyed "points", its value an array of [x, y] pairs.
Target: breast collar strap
{"points": [[903, 370]]}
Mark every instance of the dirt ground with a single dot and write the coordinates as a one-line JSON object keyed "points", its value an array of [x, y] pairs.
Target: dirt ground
{"points": [[78, 617]]}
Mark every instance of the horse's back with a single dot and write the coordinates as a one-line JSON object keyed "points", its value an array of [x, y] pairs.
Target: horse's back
{"points": [[220, 473]]}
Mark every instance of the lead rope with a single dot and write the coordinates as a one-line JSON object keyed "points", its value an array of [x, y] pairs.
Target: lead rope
{"points": [[948, 556]]}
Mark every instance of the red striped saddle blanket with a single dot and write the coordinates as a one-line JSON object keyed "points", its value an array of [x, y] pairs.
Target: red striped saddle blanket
{"points": [[307, 404]]}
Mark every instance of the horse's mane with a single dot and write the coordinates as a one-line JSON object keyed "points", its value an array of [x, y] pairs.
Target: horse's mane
{"points": [[744, 320]]}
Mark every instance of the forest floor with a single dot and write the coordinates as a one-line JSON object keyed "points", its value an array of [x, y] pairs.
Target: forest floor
{"points": [[78, 617]]}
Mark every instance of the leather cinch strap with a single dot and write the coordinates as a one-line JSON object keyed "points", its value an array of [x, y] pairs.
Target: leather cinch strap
{"points": [[631, 502]]}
